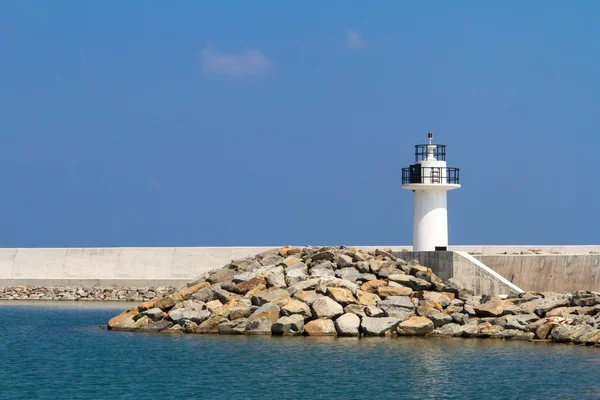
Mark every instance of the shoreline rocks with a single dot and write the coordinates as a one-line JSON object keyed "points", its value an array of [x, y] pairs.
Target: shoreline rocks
{"points": [[66, 293]]}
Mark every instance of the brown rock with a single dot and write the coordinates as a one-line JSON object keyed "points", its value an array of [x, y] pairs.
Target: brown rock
{"points": [[366, 298], [415, 326], [492, 308], [269, 311], [245, 287], [545, 329], [129, 313], [320, 327], [341, 295], [211, 325], [165, 303], [434, 297], [371, 286], [296, 307], [385, 291]]}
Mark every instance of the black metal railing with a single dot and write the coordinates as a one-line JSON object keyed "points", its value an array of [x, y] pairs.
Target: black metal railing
{"points": [[421, 152], [418, 174]]}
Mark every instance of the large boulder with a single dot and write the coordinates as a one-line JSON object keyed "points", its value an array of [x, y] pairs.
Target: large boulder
{"points": [[273, 295], [155, 314], [397, 301], [341, 295], [320, 327], [260, 326], [269, 311], [415, 326], [156, 326], [291, 325], [326, 308], [378, 326], [366, 298], [192, 310], [387, 291], [347, 325], [492, 308], [125, 315], [236, 327], [296, 307]]}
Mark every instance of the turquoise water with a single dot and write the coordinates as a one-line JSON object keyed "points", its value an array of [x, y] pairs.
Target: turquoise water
{"points": [[59, 352]]}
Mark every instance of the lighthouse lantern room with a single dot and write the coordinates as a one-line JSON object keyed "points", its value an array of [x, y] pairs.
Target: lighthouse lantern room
{"points": [[429, 178]]}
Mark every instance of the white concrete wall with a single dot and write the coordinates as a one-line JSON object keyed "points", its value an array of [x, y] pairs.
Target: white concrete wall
{"points": [[163, 266]]}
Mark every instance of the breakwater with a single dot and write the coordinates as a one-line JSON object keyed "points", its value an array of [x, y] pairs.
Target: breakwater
{"points": [[65, 293], [339, 291]]}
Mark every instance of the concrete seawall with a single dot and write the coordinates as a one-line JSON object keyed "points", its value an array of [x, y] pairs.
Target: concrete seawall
{"points": [[574, 269], [540, 272]]}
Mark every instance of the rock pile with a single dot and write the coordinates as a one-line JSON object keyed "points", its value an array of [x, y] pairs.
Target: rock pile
{"points": [[340, 291], [81, 293]]}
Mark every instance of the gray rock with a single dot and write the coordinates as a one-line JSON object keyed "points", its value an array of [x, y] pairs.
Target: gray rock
{"points": [[243, 277], [156, 326], [337, 282], [519, 321], [205, 294], [583, 298], [546, 306], [261, 326], [399, 312], [236, 327], [378, 326], [440, 319], [323, 269], [384, 253], [270, 295], [451, 329], [191, 310], [365, 277], [375, 266], [410, 281], [357, 309], [298, 266], [224, 296], [344, 260], [459, 318], [363, 267], [396, 301], [222, 275], [289, 325], [349, 273], [155, 314], [245, 264], [307, 296], [347, 325], [294, 276], [372, 311], [309, 284], [276, 277], [326, 308], [272, 259]]}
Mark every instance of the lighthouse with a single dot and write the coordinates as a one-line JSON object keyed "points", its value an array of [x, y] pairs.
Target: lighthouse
{"points": [[429, 178]]}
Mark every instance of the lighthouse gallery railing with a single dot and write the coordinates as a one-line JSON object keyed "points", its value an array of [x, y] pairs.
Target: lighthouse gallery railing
{"points": [[418, 174]]}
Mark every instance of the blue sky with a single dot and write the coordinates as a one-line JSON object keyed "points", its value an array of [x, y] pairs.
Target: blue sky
{"points": [[188, 123]]}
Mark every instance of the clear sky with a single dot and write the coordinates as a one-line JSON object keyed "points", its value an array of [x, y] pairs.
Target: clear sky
{"points": [[189, 123]]}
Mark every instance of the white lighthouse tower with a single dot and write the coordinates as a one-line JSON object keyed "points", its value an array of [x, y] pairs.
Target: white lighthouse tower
{"points": [[429, 178]]}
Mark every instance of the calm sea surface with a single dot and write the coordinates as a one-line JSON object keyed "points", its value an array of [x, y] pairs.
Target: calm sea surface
{"points": [[57, 351]]}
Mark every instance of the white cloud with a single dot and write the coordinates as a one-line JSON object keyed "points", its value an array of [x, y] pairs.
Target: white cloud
{"points": [[354, 40], [245, 64]]}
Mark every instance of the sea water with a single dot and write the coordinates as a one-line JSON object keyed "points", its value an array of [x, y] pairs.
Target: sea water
{"points": [[58, 351]]}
